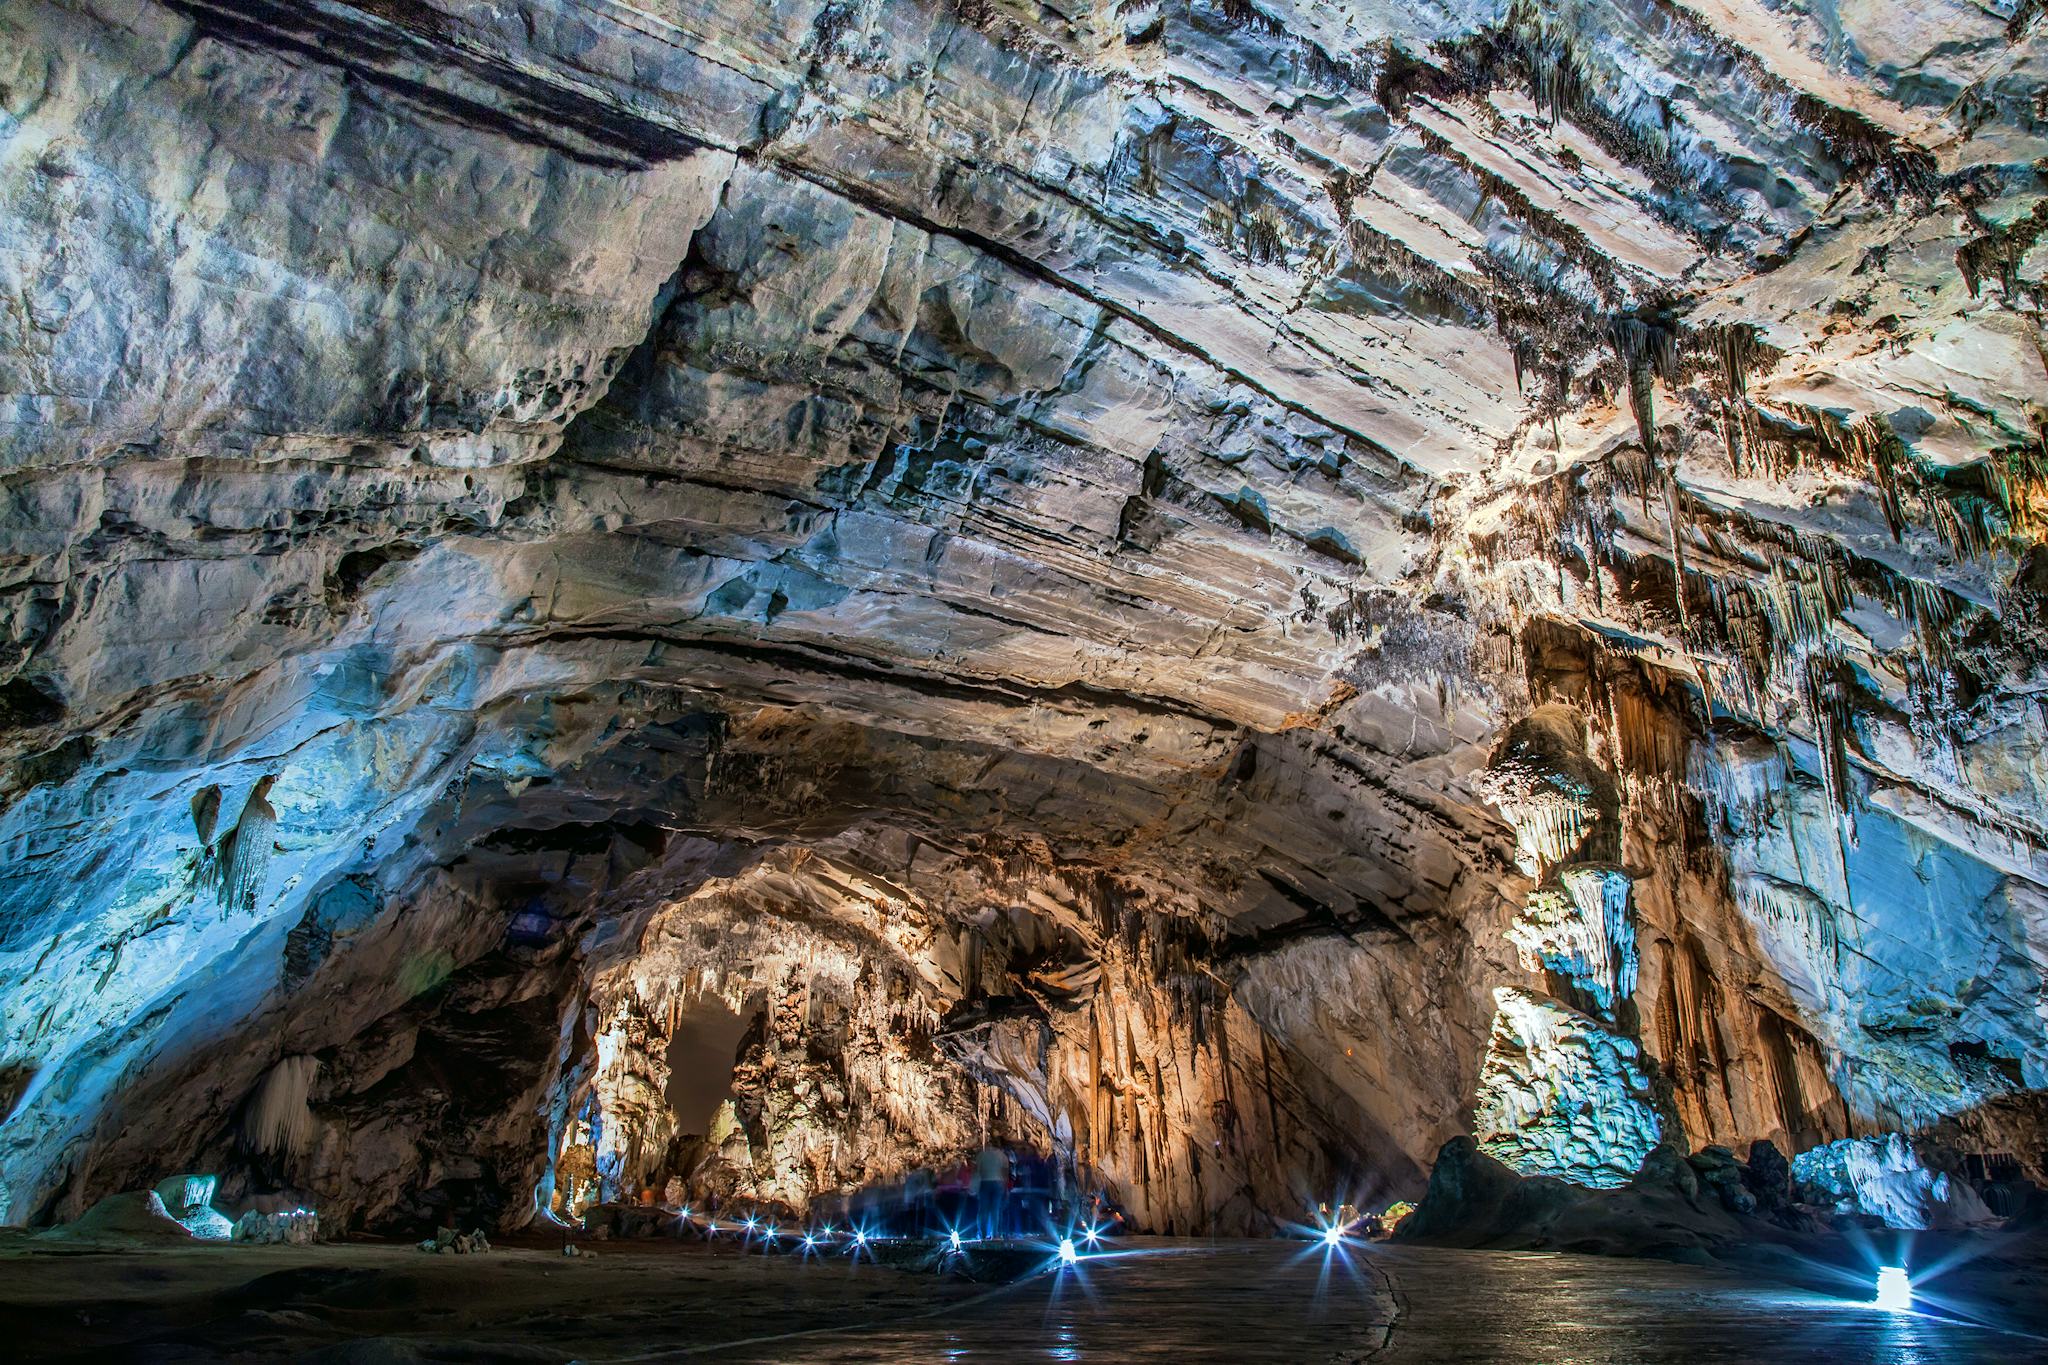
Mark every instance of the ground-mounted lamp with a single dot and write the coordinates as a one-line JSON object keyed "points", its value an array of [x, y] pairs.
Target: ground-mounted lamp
{"points": [[1894, 1289]]}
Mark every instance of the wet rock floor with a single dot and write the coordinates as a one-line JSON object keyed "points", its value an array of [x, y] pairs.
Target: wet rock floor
{"points": [[1157, 1300]]}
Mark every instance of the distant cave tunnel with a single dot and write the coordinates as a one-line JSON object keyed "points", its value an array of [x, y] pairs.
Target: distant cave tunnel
{"points": [[736, 956], [656, 945], [870, 1033], [703, 1048]]}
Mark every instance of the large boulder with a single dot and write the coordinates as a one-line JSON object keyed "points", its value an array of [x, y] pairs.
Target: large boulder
{"points": [[1474, 1199], [1665, 1168], [1674, 1206], [1769, 1176], [131, 1216], [1719, 1171]]}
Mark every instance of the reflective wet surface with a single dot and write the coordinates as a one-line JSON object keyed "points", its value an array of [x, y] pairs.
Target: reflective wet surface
{"points": [[1154, 1300], [1268, 1301]]}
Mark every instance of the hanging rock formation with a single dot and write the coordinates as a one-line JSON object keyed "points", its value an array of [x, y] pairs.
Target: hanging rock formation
{"points": [[1234, 589]]}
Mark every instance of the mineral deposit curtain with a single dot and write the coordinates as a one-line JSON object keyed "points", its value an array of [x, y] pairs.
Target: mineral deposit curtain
{"points": [[1231, 590]]}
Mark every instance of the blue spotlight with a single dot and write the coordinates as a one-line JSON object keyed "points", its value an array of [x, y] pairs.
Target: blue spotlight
{"points": [[1894, 1290], [1091, 1234], [1067, 1253], [1333, 1236], [953, 1239]]}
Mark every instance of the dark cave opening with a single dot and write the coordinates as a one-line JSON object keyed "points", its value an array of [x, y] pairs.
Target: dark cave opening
{"points": [[702, 1051]]}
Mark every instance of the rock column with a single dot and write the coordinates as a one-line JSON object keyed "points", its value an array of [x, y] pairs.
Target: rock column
{"points": [[1562, 1089]]}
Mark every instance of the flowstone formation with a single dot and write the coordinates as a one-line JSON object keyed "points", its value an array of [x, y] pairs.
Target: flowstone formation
{"points": [[1561, 1092], [1228, 590]]}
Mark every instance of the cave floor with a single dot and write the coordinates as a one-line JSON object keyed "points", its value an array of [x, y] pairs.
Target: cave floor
{"points": [[1158, 1300]]}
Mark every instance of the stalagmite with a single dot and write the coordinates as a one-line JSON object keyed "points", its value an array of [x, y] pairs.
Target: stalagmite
{"points": [[1560, 1095]]}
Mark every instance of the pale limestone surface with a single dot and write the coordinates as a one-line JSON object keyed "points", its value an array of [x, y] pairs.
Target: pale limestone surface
{"points": [[1025, 525]]}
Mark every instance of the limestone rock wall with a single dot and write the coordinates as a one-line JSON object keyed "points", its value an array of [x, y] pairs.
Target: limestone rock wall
{"points": [[480, 484]]}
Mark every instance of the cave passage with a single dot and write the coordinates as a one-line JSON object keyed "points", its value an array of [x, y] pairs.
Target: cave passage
{"points": [[701, 1054], [992, 677]]}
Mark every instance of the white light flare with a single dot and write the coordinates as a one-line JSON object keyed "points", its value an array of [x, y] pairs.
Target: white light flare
{"points": [[1067, 1253], [1894, 1289]]}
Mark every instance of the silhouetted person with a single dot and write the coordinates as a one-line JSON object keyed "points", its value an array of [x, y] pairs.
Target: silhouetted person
{"points": [[992, 1178]]}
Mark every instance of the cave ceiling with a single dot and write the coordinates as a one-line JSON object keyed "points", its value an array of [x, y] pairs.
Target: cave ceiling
{"points": [[531, 513]]}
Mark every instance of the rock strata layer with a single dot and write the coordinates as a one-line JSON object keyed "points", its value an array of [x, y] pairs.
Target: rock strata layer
{"points": [[1118, 577]]}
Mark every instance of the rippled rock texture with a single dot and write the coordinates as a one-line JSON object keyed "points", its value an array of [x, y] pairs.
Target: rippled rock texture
{"points": [[1120, 572]]}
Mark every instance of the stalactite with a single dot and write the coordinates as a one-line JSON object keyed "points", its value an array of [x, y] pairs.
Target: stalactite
{"points": [[1651, 753], [1998, 254], [1805, 600], [1582, 929], [1969, 525], [1888, 465], [1751, 639], [2018, 476], [1740, 795], [276, 1120], [243, 862], [1735, 347], [1828, 694], [1647, 351], [1809, 920], [1675, 524]]}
